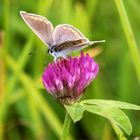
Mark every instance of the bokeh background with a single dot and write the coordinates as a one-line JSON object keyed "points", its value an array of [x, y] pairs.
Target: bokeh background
{"points": [[27, 111]]}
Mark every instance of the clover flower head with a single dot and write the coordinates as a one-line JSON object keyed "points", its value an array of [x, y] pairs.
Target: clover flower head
{"points": [[66, 79]]}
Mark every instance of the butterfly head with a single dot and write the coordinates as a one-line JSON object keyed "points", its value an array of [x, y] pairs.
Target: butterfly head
{"points": [[52, 51], [55, 52]]}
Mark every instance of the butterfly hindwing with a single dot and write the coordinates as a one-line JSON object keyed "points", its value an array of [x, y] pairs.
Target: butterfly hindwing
{"points": [[70, 46], [40, 26]]}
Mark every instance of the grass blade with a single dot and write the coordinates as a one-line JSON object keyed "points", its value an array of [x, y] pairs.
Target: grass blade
{"points": [[129, 36]]}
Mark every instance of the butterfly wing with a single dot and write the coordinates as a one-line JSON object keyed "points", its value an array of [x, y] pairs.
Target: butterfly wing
{"points": [[70, 46], [40, 26], [77, 45], [65, 32]]}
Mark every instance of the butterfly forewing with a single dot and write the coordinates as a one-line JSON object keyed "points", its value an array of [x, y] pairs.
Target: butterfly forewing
{"points": [[64, 32], [40, 26]]}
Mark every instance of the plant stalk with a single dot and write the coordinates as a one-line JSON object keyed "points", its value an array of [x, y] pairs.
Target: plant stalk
{"points": [[118, 132], [129, 36], [66, 127]]}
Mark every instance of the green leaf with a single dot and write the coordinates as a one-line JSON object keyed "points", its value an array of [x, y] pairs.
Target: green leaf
{"points": [[110, 103], [75, 111], [115, 115]]}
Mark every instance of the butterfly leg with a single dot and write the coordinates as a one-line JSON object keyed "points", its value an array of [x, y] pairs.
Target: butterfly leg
{"points": [[55, 58], [65, 57]]}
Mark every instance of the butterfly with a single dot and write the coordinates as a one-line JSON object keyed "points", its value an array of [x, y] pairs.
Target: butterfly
{"points": [[62, 40]]}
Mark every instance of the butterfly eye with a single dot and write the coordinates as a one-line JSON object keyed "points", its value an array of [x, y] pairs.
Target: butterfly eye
{"points": [[51, 51], [55, 49]]}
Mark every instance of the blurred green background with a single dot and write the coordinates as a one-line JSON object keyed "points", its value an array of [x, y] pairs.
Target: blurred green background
{"points": [[27, 111]]}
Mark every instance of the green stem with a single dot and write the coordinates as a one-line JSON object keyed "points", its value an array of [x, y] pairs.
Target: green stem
{"points": [[6, 24], [4, 101], [66, 127], [21, 64], [118, 132], [129, 36]]}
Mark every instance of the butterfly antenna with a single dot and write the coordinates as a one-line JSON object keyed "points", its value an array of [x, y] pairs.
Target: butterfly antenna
{"points": [[95, 43]]}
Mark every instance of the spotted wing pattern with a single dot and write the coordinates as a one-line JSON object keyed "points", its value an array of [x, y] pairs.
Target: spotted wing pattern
{"points": [[70, 46]]}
